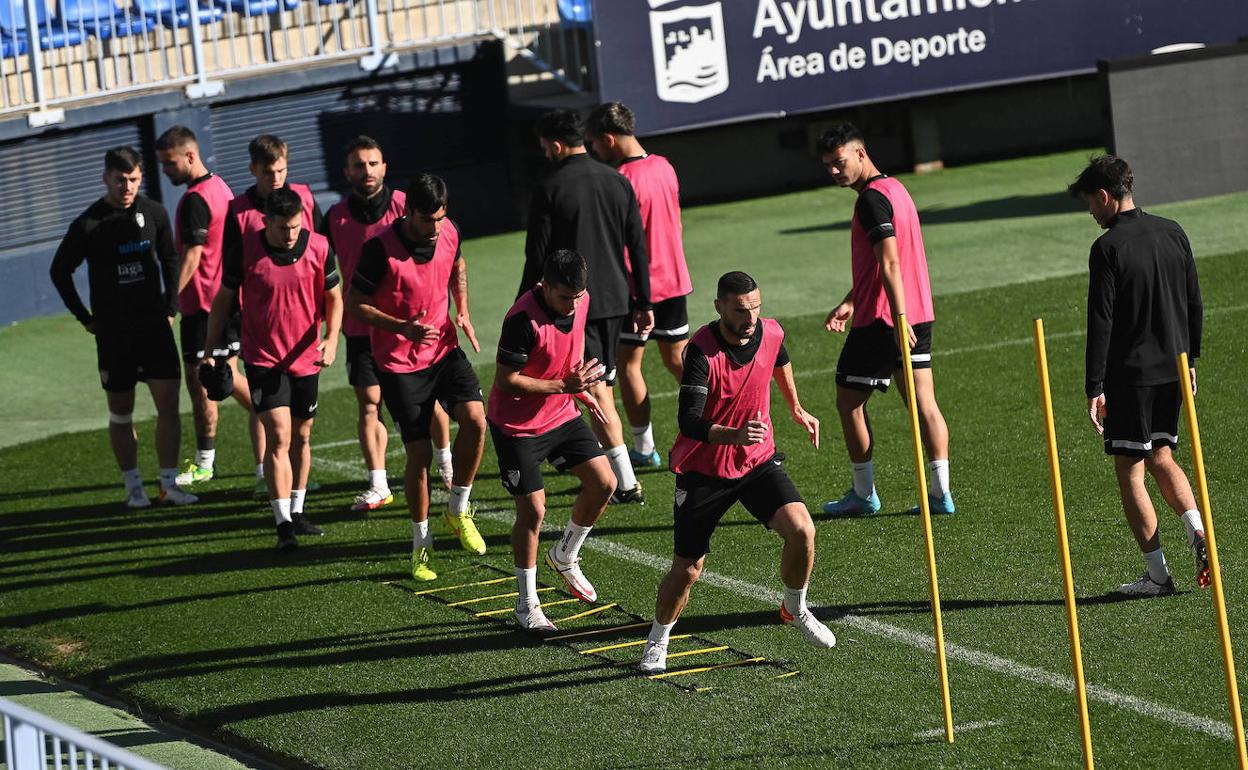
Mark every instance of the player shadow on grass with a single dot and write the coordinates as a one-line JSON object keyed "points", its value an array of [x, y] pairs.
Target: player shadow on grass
{"points": [[923, 607], [998, 208]]}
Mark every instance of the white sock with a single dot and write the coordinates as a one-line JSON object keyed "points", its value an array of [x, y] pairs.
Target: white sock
{"points": [[259, 470], [795, 600], [132, 478], [420, 535], [204, 458], [296, 500], [168, 477], [643, 439], [281, 510], [458, 499], [526, 586], [1155, 561], [864, 478], [1193, 524], [660, 633], [623, 467], [442, 455], [570, 544], [377, 479], [938, 478]]}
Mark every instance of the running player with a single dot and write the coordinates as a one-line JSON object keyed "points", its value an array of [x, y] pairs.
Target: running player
{"points": [[889, 278], [199, 234], [726, 453], [1144, 309], [286, 278], [541, 374], [586, 207], [402, 288], [610, 129], [126, 240]]}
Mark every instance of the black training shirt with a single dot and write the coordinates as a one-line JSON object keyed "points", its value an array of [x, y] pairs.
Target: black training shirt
{"points": [[875, 213], [232, 272], [591, 208], [518, 338], [132, 264], [1144, 305], [694, 384], [194, 216], [375, 262]]}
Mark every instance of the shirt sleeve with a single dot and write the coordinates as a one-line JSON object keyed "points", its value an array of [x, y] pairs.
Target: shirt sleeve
{"points": [[515, 341], [319, 225], [167, 253], [693, 392], [537, 241], [232, 264], [196, 217], [1102, 291], [1195, 306], [332, 278], [69, 255], [371, 269], [875, 214], [782, 358]]}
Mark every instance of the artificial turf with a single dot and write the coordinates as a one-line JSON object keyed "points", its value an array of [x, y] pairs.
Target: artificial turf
{"points": [[314, 659]]}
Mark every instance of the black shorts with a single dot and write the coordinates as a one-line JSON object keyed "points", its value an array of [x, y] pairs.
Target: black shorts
{"points": [[1138, 420], [194, 333], [144, 353], [520, 458], [671, 324], [701, 501], [410, 396], [871, 357], [601, 337], [273, 388], [361, 368]]}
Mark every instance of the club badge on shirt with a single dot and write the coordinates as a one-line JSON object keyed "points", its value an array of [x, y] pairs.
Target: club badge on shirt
{"points": [[139, 219]]}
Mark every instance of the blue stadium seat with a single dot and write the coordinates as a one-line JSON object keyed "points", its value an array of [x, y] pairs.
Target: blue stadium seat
{"points": [[575, 11], [176, 13], [104, 19], [258, 7], [13, 30]]}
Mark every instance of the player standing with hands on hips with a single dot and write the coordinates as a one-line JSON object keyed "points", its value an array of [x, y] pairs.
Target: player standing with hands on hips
{"points": [[1144, 309]]}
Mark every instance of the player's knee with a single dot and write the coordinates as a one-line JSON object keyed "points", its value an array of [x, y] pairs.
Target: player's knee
{"points": [[689, 573], [472, 419]]}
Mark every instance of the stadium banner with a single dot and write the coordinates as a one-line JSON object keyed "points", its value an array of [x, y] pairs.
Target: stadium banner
{"points": [[687, 63]]}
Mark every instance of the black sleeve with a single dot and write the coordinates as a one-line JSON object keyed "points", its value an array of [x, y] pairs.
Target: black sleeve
{"points": [[1195, 306], [875, 214], [693, 392], [232, 259], [1102, 291], [371, 269], [332, 278], [69, 255], [196, 217], [537, 240], [515, 341], [167, 253], [782, 358], [319, 225], [638, 250]]}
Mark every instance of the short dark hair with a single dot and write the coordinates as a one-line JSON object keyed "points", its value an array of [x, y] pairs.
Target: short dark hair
{"points": [[427, 193], [564, 126], [283, 203], [611, 118], [266, 149], [1104, 172], [123, 159], [838, 136], [735, 282], [361, 142], [176, 137], [566, 267]]}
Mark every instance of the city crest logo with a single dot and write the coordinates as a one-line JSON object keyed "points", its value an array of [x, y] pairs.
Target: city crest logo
{"points": [[690, 59]]}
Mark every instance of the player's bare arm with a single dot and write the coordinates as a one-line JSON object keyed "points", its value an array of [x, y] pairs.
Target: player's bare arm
{"points": [[509, 380], [328, 347], [190, 263], [890, 275], [413, 329], [838, 318], [459, 293], [222, 307], [788, 390]]}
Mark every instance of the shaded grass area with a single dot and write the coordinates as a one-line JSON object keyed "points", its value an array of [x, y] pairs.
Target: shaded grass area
{"points": [[312, 659]]}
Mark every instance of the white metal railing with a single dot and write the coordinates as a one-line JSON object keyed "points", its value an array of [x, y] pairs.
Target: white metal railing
{"points": [[63, 52], [33, 741]]}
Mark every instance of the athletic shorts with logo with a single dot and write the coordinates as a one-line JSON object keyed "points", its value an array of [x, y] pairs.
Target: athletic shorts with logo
{"points": [[1141, 419], [193, 331], [361, 368], [520, 457], [410, 396], [272, 388], [134, 355], [671, 324], [701, 501], [871, 356], [602, 336]]}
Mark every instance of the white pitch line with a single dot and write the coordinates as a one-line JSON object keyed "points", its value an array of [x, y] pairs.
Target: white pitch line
{"points": [[958, 729], [972, 657]]}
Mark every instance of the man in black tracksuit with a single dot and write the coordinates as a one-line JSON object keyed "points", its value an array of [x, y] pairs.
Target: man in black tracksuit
{"points": [[590, 208], [1144, 309]]}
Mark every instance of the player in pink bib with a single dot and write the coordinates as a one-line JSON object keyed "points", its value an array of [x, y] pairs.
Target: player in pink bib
{"points": [[726, 453], [533, 418], [889, 278]]}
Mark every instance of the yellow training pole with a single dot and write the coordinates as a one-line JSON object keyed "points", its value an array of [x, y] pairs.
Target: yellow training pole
{"points": [[1215, 569], [926, 512], [1063, 544]]}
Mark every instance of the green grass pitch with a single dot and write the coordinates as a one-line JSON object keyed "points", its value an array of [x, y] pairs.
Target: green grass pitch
{"points": [[314, 659]]}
